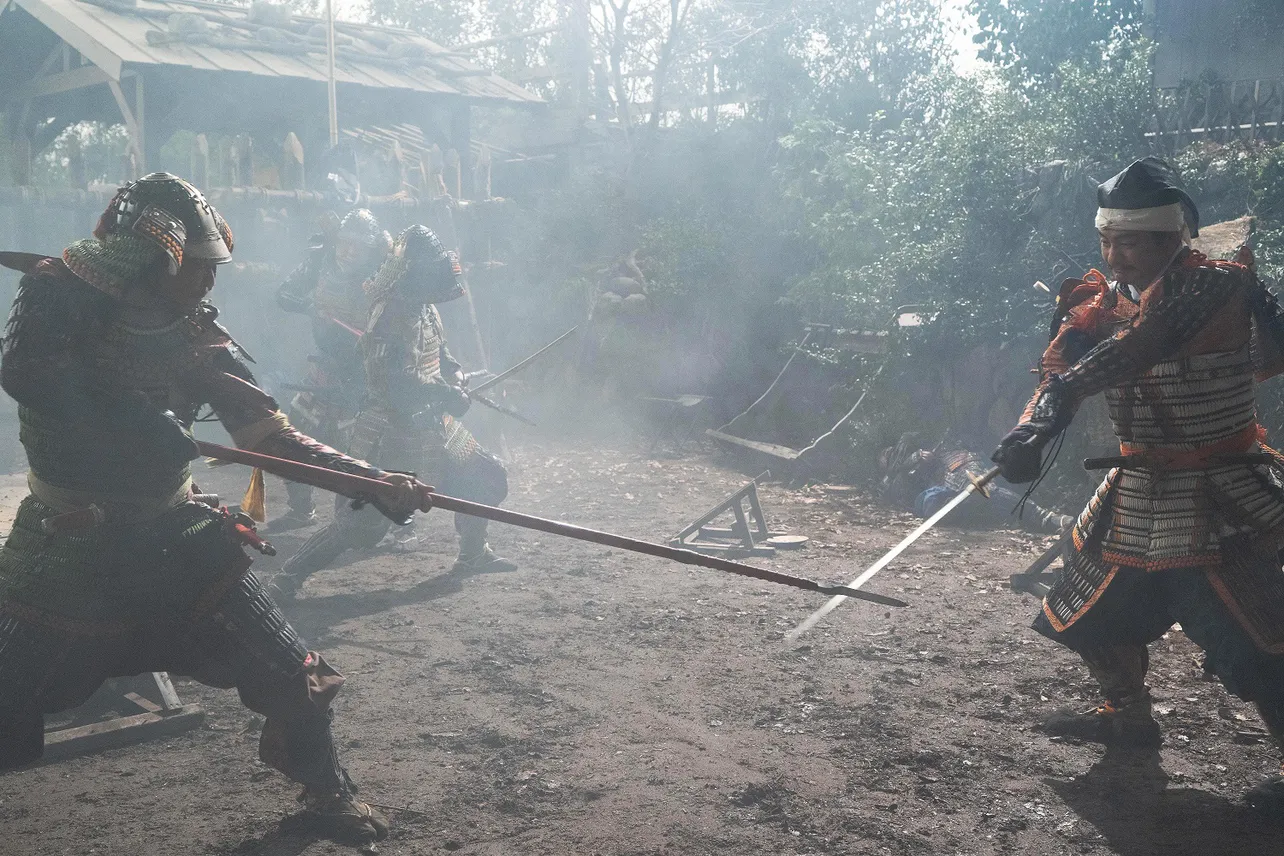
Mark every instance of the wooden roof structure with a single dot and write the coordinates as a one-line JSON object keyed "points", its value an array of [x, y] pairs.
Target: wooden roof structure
{"points": [[165, 65]]}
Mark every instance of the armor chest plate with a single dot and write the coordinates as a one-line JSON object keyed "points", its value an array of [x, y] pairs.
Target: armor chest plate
{"points": [[340, 296], [1187, 402], [430, 335], [152, 360]]}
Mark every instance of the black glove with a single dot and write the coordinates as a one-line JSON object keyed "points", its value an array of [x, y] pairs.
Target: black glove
{"points": [[1020, 454], [451, 399]]}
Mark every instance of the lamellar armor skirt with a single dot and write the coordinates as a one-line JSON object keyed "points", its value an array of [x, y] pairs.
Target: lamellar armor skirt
{"points": [[1202, 480]]}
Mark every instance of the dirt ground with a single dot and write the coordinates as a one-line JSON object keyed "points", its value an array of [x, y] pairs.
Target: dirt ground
{"points": [[596, 702]]}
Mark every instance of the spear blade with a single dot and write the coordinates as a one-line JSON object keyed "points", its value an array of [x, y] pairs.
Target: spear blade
{"points": [[977, 486]]}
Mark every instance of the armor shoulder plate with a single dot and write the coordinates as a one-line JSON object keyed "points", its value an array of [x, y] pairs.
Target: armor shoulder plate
{"points": [[206, 319], [57, 301], [1078, 294]]}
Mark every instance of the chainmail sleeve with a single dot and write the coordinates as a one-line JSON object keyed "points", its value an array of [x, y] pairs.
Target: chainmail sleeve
{"points": [[1172, 313], [43, 364], [255, 421], [295, 294]]}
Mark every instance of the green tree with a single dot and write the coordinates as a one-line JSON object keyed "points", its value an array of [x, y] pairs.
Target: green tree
{"points": [[944, 207], [1034, 38], [841, 59]]}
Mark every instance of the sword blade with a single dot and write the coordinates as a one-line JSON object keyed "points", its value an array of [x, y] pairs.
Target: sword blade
{"points": [[504, 375], [891, 555], [360, 487]]}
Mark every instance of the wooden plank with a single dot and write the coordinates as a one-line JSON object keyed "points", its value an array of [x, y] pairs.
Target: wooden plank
{"points": [[62, 81], [73, 742], [169, 698], [773, 449], [74, 35], [131, 125], [147, 705]]}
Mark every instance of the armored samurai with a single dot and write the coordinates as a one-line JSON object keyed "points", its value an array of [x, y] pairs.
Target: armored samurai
{"points": [[415, 397], [327, 288], [1187, 526], [923, 480], [113, 566]]}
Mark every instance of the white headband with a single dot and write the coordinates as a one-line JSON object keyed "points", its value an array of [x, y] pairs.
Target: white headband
{"points": [[1164, 218]]}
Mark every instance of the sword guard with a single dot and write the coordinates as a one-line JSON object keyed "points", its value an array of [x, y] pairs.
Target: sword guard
{"points": [[982, 486]]}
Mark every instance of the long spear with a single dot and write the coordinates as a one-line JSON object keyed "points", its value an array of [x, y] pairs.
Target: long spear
{"points": [[360, 487]]}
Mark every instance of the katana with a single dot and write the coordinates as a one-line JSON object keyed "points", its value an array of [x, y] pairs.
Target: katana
{"points": [[524, 363], [367, 489], [977, 486]]}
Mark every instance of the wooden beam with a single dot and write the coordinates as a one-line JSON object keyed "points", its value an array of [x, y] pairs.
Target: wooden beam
{"points": [[71, 742], [58, 51], [131, 124], [84, 42], [62, 81], [457, 50]]}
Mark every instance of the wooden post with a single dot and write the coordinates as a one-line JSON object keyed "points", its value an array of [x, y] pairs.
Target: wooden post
{"points": [[420, 175], [76, 163], [242, 161], [711, 90], [399, 160], [481, 177], [20, 157], [436, 167], [198, 163], [452, 175], [129, 163], [580, 56], [461, 142], [292, 172]]}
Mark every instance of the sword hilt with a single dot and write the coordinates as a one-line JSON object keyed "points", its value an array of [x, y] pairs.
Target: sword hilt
{"points": [[981, 483]]}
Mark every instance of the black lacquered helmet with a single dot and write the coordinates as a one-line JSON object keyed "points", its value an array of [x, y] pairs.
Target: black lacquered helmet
{"points": [[360, 227], [420, 267], [170, 213]]}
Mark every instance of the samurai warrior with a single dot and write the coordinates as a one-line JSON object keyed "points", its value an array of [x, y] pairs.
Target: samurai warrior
{"points": [[924, 480], [327, 288], [1187, 526], [113, 567], [415, 397]]}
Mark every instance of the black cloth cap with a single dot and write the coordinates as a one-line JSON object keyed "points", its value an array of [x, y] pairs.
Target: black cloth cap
{"points": [[1148, 183]]}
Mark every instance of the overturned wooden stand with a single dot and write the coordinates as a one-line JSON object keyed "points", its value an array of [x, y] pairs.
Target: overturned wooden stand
{"points": [[748, 534], [676, 419], [1037, 580], [734, 436], [145, 707]]}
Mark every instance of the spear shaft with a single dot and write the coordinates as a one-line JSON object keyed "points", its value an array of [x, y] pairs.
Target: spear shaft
{"points": [[361, 487]]}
